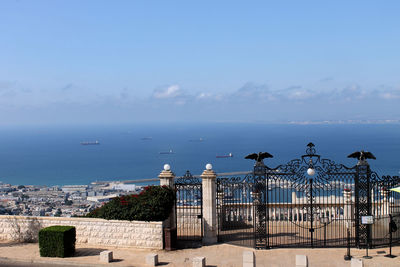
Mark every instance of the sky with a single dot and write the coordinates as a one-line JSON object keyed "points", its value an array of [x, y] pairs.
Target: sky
{"points": [[84, 62]]}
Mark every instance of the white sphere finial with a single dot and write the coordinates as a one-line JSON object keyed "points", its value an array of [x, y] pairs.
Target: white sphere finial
{"points": [[310, 171], [209, 167], [167, 167]]}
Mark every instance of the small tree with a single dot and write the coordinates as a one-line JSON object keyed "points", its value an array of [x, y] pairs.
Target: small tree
{"points": [[58, 213]]}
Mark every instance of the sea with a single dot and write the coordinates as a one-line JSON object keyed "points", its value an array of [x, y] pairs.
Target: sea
{"points": [[53, 155]]}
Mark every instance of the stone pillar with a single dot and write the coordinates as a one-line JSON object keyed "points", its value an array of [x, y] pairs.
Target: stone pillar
{"points": [[167, 176], [209, 205], [167, 179]]}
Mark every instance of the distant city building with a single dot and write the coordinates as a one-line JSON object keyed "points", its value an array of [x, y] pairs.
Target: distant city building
{"points": [[68, 200], [123, 187], [74, 188], [6, 189], [101, 198]]}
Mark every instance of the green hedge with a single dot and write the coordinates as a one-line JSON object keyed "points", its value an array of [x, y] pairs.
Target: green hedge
{"points": [[154, 203], [57, 241]]}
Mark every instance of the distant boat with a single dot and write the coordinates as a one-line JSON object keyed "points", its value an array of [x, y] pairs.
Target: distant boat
{"points": [[86, 143], [230, 155], [196, 140], [147, 138], [167, 152]]}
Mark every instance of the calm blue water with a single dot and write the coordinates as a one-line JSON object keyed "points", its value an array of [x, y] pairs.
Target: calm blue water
{"points": [[54, 156]]}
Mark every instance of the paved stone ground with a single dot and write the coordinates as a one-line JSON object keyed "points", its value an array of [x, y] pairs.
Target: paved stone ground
{"points": [[217, 255]]}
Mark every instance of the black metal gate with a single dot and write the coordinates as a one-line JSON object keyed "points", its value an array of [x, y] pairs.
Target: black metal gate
{"points": [[189, 210], [308, 202], [385, 205], [235, 210]]}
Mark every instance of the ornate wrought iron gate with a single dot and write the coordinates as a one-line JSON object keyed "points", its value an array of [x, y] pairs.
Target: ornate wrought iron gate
{"points": [[189, 209], [384, 204], [308, 202], [235, 210]]}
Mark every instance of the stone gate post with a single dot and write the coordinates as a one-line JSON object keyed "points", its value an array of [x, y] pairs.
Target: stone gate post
{"points": [[209, 205], [167, 179]]}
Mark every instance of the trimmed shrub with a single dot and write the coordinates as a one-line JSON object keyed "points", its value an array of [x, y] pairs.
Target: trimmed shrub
{"points": [[57, 241], [154, 203]]}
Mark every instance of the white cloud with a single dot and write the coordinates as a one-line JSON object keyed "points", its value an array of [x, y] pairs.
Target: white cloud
{"points": [[300, 94], [390, 95], [6, 85], [170, 92], [296, 93], [180, 102], [204, 95]]}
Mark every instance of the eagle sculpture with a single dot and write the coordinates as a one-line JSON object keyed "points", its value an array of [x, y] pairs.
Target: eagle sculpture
{"points": [[259, 157], [361, 155]]}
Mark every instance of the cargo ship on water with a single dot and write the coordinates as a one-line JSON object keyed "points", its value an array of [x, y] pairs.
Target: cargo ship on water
{"points": [[167, 152], [87, 143], [230, 155], [196, 140]]}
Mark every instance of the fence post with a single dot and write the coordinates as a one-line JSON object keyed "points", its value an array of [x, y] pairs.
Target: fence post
{"points": [[363, 203], [167, 179], [209, 205], [385, 209]]}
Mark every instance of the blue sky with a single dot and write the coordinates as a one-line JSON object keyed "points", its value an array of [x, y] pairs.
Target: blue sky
{"points": [[262, 61]]}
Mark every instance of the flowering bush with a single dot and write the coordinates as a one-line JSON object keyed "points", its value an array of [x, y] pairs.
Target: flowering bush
{"points": [[154, 203]]}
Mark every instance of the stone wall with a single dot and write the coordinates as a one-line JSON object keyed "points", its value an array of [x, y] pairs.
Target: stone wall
{"points": [[88, 231]]}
